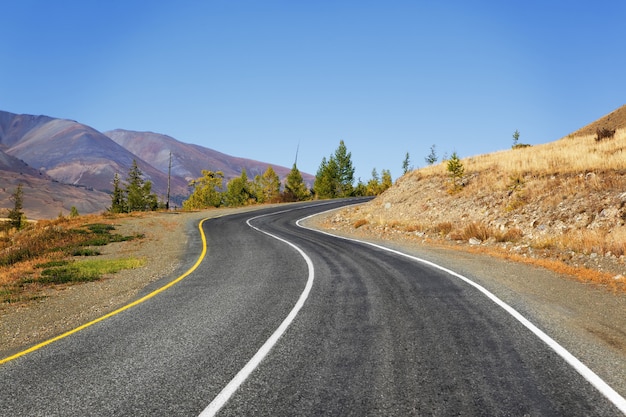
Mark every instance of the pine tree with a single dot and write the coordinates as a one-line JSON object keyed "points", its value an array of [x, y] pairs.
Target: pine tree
{"points": [[325, 185], [345, 171], [238, 192], [335, 176], [406, 164], [295, 188], [118, 200], [139, 195], [16, 214], [432, 156], [455, 171]]}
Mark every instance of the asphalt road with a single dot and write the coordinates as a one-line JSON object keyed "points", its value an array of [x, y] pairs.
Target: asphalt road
{"points": [[373, 333]]}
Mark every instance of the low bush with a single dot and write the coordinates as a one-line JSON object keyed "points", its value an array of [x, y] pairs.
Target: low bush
{"points": [[359, 223], [604, 133]]}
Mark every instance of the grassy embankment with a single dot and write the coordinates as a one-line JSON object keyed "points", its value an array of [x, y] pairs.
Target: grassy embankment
{"points": [[56, 252], [563, 199]]}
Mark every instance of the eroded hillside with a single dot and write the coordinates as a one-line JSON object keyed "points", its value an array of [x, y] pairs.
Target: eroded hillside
{"points": [[561, 205]]}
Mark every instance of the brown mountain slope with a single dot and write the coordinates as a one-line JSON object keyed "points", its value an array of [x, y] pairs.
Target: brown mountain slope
{"points": [[46, 199], [612, 121], [561, 204], [73, 153]]}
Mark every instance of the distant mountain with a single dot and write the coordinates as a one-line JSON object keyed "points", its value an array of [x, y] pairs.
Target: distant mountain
{"points": [[189, 160], [72, 153], [45, 198], [67, 152]]}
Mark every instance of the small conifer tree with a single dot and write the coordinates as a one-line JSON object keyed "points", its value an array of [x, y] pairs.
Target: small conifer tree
{"points": [[16, 214], [455, 170]]}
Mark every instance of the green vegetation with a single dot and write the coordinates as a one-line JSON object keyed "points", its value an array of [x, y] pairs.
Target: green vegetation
{"points": [[406, 164], [334, 179], [516, 144], [135, 195], [266, 187], [84, 271], [295, 188], [57, 243], [208, 190], [16, 215], [432, 156], [515, 138], [335, 176], [238, 191], [455, 171]]}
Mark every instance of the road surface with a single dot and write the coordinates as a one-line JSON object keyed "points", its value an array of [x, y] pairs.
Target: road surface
{"points": [[278, 320]]}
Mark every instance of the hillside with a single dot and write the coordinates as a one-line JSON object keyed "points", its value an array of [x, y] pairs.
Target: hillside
{"points": [[46, 199], [43, 196], [72, 153], [561, 205]]}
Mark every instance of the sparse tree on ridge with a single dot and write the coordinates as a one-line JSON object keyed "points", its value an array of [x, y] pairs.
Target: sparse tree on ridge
{"points": [[455, 170], [373, 185], [406, 164], [515, 138], [432, 156], [386, 181]]}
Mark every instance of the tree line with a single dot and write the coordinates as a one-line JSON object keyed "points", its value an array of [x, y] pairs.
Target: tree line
{"points": [[209, 191], [334, 179]]}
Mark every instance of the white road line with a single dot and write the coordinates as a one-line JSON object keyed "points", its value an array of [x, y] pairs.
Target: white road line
{"points": [[581, 368], [242, 375]]}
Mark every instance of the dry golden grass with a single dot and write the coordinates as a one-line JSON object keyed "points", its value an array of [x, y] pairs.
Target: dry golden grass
{"points": [[44, 241], [563, 203], [569, 155]]}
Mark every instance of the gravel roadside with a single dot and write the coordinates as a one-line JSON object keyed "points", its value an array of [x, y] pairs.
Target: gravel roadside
{"points": [[587, 320]]}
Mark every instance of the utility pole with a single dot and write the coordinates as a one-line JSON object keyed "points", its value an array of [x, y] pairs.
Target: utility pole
{"points": [[169, 175]]}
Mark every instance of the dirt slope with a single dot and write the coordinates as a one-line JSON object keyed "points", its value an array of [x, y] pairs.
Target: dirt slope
{"points": [[561, 205]]}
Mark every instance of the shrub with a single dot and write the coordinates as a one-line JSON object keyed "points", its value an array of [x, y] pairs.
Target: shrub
{"points": [[359, 223], [604, 133], [475, 230], [510, 235], [443, 228]]}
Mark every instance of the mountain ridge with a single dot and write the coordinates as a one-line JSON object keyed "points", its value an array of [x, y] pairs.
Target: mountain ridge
{"points": [[71, 153]]}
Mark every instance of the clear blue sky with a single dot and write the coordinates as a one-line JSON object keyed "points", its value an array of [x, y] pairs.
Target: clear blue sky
{"points": [[256, 78]]}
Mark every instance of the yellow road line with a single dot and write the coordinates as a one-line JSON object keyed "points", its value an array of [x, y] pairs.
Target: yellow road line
{"points": [[119, 310]]}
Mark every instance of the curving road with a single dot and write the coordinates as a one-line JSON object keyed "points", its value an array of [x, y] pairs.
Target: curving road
{"points": [[279, 320]]}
